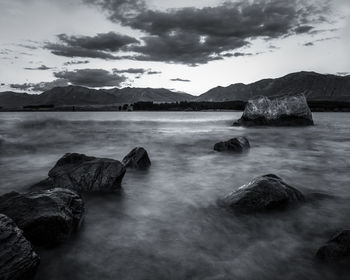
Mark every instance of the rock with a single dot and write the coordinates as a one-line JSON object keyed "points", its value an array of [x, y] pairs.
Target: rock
{"points": [[87, 174], [137, 158], [17, 258], [284, 110], [237, 145], [267, 192], [47, 218], [337, 248]]}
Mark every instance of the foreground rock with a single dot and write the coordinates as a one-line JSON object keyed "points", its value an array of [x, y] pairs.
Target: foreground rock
{"points": [[285, 110], [337, 248], [85, 174], [47, 218], [17, 258], [236, 145], [137, 158], [267, 192]]}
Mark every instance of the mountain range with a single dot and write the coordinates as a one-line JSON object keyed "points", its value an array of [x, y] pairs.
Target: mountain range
{"points": [[316, 87]]}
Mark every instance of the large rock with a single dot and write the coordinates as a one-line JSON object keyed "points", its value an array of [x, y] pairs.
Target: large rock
{"points": [[47, 217], [236, 145], [285, 110], [267, 192], [337, 248], [137, 158], [86, 174], [17, 258]]}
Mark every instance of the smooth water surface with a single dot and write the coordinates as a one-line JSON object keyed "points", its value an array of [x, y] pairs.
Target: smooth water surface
{"points": [[166, 224]]}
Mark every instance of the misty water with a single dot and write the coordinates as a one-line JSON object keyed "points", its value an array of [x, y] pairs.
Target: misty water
{"points": [[165, 223]]}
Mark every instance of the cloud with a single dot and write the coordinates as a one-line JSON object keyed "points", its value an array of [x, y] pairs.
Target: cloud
{"points": [[131, 71], [75, 62], [42, 86], [180, 80], [154, 72], [237, 54], [42, 67], [99, 46], [198, 35], [312, 43], [136, 71], [91, 77], [343, 73]]}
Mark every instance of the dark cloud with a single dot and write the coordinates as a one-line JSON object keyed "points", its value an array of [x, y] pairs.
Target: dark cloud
{"points": [[99, 46], [75, 62], [180, 80], [91, 77], [42, 86], [131, 71], [197, 35], [237, 54], [303, 29], [154, 72], [42, 67], [136, 71]]}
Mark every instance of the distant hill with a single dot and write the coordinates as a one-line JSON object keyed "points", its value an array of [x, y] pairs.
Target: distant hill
{"points": [[77, 95], [313, 85], [316, 87]]}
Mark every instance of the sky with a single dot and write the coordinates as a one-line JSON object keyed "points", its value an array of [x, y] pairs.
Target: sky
{"points": [[185, 45]]}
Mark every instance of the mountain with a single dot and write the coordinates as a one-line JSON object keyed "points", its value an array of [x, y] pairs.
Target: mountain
{"points": [[132, 95], [313, 85], [316, 87], [77, 95]]}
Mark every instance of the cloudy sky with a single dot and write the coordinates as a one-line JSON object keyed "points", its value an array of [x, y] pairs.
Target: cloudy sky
{"points": [[184, 45]]}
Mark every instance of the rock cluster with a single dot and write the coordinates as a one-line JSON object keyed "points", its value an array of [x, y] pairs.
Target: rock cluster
{"points": [[236, 145], [283, 110], [18, 261], [337, 248], [268, 192]]}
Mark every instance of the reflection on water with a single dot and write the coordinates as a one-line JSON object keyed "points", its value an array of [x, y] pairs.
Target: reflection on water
{"points": [[165, 224]]}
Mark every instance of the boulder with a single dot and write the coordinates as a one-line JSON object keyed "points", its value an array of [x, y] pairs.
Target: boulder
{"points": [[236, 145], [17, 258], [336, 249], [268, 192], [283, 110], [137, 158], [47, 218], [86, 174]]}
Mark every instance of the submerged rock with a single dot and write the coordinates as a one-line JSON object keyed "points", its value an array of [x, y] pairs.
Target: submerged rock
{"points": [[237, 145], [137, 158], [263, 193], [87, 174], [337, 248], [284, 110], [47, 217], [18, 261]]}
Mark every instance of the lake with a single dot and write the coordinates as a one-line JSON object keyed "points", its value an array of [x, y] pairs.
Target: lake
{"points": [[165, 224]]}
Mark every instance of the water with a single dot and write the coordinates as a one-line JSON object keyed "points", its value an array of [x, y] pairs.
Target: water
{"points": [[166, 224]]}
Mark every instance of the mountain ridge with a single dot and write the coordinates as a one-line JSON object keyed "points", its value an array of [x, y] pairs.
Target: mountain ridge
{"points": [[314, 86]]}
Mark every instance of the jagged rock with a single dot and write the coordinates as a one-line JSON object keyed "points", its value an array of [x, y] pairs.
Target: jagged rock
{"points": [[85, 174], [266, 192], [237, 145], [337, 248], [137, 158], [18, 261], [46, 217], [284, 110]]}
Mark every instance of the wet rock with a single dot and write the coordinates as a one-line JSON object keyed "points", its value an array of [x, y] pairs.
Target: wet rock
{"points": [[336, 249], [47, 218], [284, 110], [236, 145], [86, 174], [137, 158], [268, 192], [18, 261]]}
